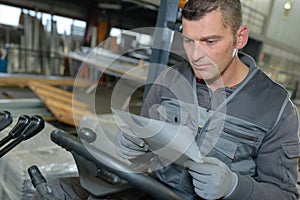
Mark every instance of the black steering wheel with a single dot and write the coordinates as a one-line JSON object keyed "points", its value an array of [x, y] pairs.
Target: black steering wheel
{"points": [[106, 161]]}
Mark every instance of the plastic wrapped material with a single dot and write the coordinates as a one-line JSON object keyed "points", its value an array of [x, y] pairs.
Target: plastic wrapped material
{"points": [[52, 160]]}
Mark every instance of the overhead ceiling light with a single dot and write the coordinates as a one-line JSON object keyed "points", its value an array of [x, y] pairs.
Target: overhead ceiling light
{"points": [[287, 5]]}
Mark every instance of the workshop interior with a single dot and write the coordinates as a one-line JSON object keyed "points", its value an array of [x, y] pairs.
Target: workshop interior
{"points": [[66, 67]]}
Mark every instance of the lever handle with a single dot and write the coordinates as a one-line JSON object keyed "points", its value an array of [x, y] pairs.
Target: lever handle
{"points": [[16, 131], [23, 121], [35, 126], [6, 119]]}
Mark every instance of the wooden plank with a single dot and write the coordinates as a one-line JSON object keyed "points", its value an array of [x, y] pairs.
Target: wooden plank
{"points": [[34, 85], [57, 97], [22, 81], [65, 113], [60, 103], [49, 92], [67, 108]]}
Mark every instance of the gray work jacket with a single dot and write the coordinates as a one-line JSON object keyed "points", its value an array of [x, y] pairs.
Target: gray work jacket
{"points": [[253, 129]]}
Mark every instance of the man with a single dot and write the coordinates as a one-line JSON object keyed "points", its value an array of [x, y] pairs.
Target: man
{"points": [[256, 152]]}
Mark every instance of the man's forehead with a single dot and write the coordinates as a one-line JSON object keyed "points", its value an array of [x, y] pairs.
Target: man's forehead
{"points": [[198, 32], [211, 19]]}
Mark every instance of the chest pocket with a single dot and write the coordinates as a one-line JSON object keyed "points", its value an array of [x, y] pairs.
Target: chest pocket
{"points": [[175, 111], [237, 147], [247, 143]]}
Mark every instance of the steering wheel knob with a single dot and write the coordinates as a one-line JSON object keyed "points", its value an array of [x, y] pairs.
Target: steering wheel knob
{"points": [[87, 134]]}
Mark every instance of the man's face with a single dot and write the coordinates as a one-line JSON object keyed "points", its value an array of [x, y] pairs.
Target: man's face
{"points": [[208, 45]]}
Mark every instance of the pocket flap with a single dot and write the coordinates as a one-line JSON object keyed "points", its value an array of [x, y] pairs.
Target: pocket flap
{"points": [[226, 147], [173, 114], [291, 150]]}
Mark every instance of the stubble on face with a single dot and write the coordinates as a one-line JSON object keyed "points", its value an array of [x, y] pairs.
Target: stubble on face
{"points": [[208, 45]]}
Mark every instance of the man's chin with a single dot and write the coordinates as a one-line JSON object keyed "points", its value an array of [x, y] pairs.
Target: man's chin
{"points": [[203, 76], [208, 79]]}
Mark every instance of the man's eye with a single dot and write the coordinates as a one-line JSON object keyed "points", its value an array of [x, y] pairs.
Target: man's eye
{"points": [[187, 41], [211, 42]]}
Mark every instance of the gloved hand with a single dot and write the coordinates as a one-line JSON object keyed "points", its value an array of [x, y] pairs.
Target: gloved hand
{"points": [[130, 146], [212, 179]]}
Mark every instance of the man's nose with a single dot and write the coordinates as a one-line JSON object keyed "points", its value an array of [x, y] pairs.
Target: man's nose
{"points": [[197, 52]]}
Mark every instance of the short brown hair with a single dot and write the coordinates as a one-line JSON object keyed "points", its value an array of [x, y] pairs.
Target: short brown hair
{"points": [[231, 11]]}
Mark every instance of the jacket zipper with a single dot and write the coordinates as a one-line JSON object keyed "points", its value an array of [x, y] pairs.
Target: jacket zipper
{"points": [[247, 137]]}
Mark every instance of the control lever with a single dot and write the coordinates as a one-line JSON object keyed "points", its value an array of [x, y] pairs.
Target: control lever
{"points": [[15, 132], [35, 125], [75, 145], [87, 134], [6, 119], [40, 183], [90, 136]]}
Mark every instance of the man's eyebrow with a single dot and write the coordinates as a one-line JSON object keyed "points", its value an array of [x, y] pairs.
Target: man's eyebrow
{"points": [[211, 37], [204, 38], [185, 37]]}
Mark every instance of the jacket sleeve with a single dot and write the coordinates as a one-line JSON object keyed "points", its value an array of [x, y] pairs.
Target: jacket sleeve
{"points": [[277, 163]]}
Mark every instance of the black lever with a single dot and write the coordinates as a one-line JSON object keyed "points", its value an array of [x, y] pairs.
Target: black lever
{"points": [[15, 132], [40, 183], [87, 134], [35, 125], [6, 119]]}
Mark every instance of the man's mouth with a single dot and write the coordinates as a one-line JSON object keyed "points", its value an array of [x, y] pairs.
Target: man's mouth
{"points": [[201, 66]]}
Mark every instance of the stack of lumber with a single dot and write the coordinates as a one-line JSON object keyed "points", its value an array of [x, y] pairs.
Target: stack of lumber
{"points": [[23, 80], [61, 103]]}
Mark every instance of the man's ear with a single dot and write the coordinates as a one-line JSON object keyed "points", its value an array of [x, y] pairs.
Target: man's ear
{"points": [[242, 37]]}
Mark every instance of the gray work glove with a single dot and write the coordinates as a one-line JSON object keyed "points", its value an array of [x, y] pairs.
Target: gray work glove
{"points": [[130, 146], [212, 179]]}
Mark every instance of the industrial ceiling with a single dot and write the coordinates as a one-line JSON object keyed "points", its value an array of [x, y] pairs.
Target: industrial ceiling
{"points": [[279, 31], [122, 13]]}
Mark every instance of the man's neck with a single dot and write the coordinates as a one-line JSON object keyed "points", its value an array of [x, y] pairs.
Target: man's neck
{"points": [[231, 77], [235, 73]]}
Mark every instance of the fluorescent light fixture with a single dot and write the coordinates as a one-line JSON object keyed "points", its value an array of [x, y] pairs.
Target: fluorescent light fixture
{"points": [[110, 6]]}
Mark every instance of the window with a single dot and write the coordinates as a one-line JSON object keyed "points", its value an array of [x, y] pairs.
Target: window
{"points": [[11, 15]]}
